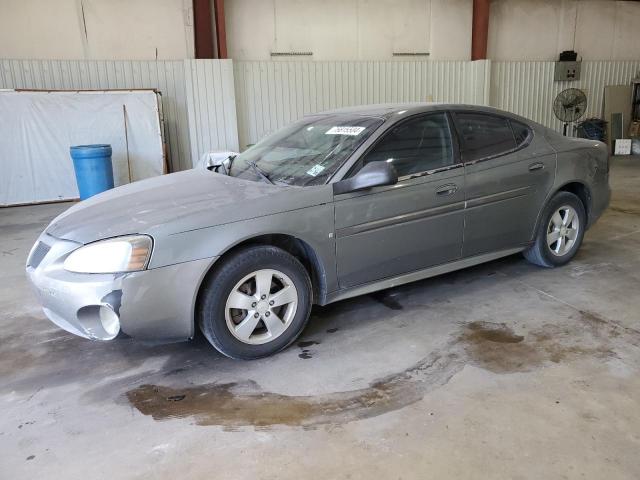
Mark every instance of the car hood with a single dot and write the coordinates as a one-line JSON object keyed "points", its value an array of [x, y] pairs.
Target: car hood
{"points": [[179, 202]]}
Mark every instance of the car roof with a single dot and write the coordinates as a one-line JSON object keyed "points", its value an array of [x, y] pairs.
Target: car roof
{"points": [[385, 110]]}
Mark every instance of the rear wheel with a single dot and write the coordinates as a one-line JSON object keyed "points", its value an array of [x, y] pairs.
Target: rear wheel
{"points": [[256, 303], [560, 232]]}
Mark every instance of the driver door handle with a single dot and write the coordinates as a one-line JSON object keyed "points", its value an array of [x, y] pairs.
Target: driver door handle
{"points": [[446, 190]]}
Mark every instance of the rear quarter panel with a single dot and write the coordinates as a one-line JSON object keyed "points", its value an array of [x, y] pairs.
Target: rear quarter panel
{"points": [[586, 162]]}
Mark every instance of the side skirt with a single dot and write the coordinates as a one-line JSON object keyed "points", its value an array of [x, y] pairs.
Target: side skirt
{"points": [[418, 275]]}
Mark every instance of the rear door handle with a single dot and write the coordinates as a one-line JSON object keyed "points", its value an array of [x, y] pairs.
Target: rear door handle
{"points": [[446, 190], [536, 166]]}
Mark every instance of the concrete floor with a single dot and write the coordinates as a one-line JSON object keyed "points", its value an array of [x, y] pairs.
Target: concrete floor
{"points": [[504, 370]]}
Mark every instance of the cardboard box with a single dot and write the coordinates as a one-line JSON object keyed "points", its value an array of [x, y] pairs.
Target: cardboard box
{"points": [[617, 99], [623, 147]]}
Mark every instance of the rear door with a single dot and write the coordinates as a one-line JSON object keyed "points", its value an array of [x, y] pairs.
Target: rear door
{"points": [[508, 174], [414, 224]]}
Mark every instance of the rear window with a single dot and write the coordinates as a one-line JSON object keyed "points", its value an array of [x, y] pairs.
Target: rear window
{"points": [[521, 132], [484, 135]]}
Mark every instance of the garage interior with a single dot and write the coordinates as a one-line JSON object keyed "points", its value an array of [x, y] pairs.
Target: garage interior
{"points": [[503, 370]]}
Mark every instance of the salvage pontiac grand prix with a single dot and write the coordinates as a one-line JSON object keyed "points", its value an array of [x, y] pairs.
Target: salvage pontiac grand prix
{"points": [[335, 205]]}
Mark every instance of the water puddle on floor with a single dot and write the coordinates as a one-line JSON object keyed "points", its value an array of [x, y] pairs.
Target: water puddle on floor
{"points": [[627, 210], [491, 346], [240, 404], [495, 347]]}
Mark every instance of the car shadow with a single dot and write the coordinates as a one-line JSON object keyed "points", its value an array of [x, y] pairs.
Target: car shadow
{"points": [[53, 357]]}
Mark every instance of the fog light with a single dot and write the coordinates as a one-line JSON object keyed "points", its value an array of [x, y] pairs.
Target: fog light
{"points": [[110, 322], [99, 322]]}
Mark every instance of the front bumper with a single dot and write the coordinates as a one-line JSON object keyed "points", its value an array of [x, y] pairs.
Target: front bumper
{"points": [[156, 304]]}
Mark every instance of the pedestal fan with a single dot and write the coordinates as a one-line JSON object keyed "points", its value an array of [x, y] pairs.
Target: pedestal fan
{"points": [[569, 106]]}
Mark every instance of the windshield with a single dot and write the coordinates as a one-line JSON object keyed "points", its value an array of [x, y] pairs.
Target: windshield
{"points": [[306, 152]]}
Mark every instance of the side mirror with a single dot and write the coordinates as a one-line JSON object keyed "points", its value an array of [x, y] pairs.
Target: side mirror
{"points": [[373, 174], [215, 160]]}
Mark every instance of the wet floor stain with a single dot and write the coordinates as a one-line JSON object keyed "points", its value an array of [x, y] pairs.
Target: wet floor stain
{"points": [[495, 347], [13, 228], [15, 354], [602, 327], [220, 404], [175, 371], [386, 299], [306, 354], [491, 332], [242, 404], [332, 330], [625, 210], [176, 398], [39, 360]]}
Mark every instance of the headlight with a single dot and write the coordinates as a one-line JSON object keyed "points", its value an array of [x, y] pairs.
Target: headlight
{"points": [[121, 254]]}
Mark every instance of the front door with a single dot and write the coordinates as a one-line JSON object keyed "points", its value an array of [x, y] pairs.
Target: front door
{"points": [[508, 174], [416, 223]]}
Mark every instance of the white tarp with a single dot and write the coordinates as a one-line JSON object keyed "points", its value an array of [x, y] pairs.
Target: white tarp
{"points": [[38, 127]]}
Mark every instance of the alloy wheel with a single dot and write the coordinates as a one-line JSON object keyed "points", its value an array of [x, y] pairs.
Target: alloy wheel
{"points": [[261, 306], [563, 230]]}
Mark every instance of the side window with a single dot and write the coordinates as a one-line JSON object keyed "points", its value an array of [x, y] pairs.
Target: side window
{"points": [[416, 146], [520, 131], [484, 135]]}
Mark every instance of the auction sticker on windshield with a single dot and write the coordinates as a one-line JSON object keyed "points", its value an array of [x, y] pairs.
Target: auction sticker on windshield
{"points": [[315, 170], [344, 131]]}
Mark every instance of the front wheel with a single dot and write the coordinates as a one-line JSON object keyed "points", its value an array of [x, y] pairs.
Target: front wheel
{"points": [[560, 232], [256, 303]]}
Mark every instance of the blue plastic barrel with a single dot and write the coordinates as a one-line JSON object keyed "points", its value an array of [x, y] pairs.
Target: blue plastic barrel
{"points": [[92, 164]]}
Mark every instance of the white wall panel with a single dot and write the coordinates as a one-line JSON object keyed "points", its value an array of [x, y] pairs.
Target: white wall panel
{"points": [[211, 105], [345, 29], [220, 105], [528, 89], [38, 127], [531, 30], [271, 94], [96, 29], [166, 76]]}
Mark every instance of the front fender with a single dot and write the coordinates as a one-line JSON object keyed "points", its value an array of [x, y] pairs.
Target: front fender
{"points": [[313, 225]]}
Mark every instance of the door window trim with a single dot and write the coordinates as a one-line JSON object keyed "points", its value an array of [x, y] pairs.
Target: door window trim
{"points": [[455, 147], [523, 145], [527, 140]]}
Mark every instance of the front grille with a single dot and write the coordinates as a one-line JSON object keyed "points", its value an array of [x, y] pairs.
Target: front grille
{"points": [[38, 254]]}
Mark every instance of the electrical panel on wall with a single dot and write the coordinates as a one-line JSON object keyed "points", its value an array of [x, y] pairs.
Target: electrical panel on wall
{"points": [[567, 71], [567, 67]]}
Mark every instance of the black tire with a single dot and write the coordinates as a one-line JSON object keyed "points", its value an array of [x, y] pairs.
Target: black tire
{"points": [[216, 289], [540, 253]]}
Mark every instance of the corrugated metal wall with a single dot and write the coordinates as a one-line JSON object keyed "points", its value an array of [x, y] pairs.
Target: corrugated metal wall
{"points": [[166, 76], [198, 96], [220, 105], [271, 94], [528, 89], [211, 103]]}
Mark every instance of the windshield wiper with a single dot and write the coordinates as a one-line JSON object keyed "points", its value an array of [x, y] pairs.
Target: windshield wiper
{"points": [[259, 171]]}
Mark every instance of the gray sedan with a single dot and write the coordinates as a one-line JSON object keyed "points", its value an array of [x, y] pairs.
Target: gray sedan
{"points": [[335, 205]]}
